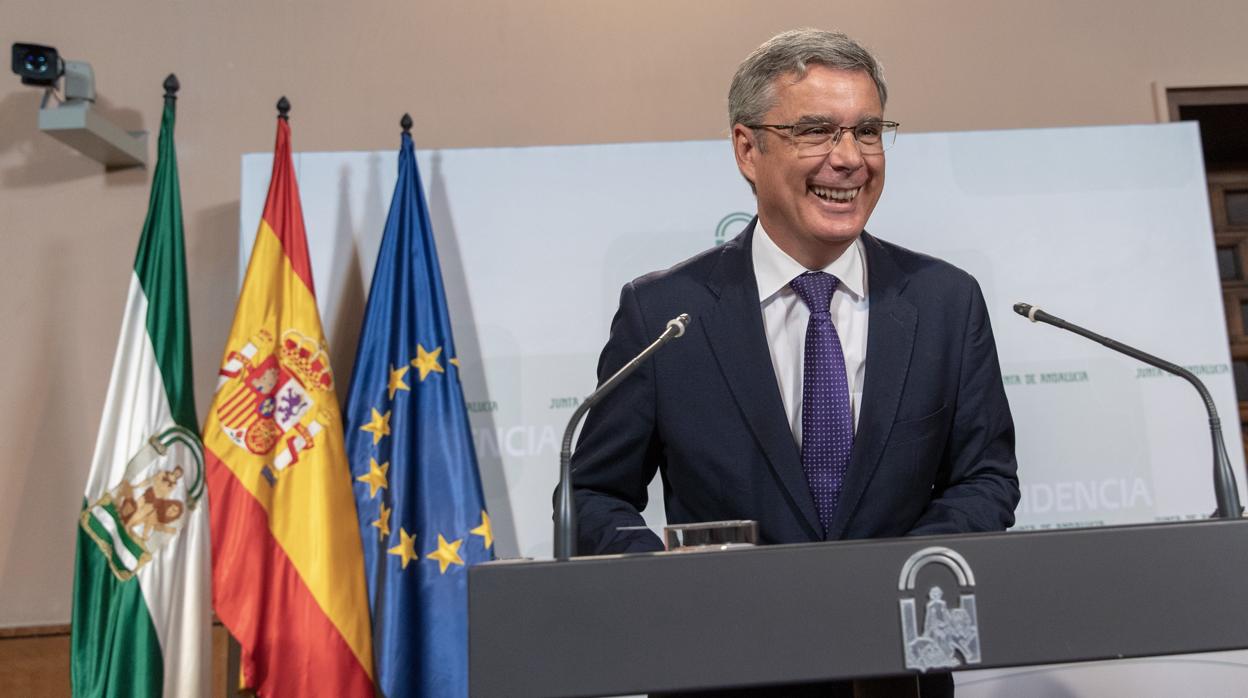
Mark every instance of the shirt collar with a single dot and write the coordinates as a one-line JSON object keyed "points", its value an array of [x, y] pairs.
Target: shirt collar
{"points": [[774, 269]]}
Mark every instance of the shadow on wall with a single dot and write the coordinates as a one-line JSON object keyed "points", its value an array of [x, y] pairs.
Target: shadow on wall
{"points": [[212, 278], [347, 286], [40, 160], [468, 345]]}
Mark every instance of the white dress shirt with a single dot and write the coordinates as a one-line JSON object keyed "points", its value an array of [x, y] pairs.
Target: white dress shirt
{"points": [[785, 317]]}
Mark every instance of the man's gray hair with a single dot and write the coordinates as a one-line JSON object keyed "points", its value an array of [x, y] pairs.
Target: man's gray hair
{"points": [[753, 92]]}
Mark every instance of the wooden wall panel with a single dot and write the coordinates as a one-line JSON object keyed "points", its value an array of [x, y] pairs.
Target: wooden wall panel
{"points": [[34, 662]]}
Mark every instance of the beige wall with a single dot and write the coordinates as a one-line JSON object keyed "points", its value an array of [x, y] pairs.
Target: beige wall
{"points": [[483, 74]]}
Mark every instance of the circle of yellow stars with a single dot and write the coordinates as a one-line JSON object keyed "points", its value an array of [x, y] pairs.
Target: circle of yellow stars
{"points": [[447, 552]]}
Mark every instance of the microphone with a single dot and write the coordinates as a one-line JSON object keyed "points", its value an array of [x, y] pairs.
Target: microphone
{"points": [[565, 521], [677, 325], [1224, 486]]}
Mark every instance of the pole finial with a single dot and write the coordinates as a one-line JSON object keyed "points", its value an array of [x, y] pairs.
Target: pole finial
{"points": [[406, 123], [172, 86], [283, 108]]}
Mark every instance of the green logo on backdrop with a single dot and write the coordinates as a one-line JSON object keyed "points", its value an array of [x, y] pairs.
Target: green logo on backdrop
{"points": [[730, 225]]}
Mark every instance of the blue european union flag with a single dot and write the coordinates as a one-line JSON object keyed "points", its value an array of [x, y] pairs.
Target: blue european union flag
{"points": [[417, 488]]}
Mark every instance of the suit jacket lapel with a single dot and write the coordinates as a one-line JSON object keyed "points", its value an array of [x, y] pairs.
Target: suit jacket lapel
{"points": [[734, 329], [890, 339]]}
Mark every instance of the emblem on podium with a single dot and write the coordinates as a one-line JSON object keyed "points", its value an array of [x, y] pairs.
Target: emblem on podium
{"points": [[935, 640]]}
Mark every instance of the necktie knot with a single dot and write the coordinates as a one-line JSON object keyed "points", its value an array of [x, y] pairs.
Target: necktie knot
{"points": [[815, 288]]}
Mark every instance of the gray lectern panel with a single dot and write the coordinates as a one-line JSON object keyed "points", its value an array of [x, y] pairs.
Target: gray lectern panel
{"points": [[779, 614]]}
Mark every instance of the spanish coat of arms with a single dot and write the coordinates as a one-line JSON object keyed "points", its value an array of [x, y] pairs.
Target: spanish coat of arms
{"points": [[271, 394]]}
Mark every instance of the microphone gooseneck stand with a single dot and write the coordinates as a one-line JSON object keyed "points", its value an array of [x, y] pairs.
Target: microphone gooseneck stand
{"points": [[1224, 486], [565, 519]]}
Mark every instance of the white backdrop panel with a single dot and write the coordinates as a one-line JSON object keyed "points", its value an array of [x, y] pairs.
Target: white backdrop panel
{"points": [[1108, 227]]}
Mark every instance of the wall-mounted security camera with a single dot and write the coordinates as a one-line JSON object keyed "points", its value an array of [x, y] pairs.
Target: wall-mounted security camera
{"points": [[73, 121], [38, 65]]}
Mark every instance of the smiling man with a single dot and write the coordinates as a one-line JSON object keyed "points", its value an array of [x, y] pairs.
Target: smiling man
{"points": [[832, 385], [816, 194]]}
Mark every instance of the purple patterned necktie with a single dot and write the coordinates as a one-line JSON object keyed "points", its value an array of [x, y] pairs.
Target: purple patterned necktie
{"points": [[827, 421]]}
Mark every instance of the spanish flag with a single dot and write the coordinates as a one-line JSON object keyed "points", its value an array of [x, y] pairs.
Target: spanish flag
{"points": [[288, 572]]}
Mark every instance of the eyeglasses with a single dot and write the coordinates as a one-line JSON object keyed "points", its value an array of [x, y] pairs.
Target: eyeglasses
{"points": [[821, 137]]}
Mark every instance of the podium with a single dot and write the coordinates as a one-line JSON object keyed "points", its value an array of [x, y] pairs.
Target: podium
{"points": [[780, 614]]}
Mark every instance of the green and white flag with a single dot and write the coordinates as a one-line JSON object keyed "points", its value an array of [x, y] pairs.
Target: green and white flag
{"points": [[142, 615]]}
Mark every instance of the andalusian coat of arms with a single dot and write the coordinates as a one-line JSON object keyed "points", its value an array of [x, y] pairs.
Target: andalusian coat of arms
{"points": [[138, 517], [944, 633]]}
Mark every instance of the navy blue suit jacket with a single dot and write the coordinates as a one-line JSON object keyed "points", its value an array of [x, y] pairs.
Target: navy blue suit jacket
{"points": [[934, 449]]}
